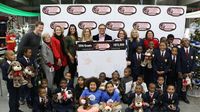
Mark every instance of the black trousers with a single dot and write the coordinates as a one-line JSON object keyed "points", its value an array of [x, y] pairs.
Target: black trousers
{"points": [[59, 74], [13, 97], [73, 68]]}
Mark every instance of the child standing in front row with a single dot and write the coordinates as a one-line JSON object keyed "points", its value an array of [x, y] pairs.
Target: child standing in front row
{"points": [[110, 99], [68, 77], [44, 84], [116, 81], [102, 79]]}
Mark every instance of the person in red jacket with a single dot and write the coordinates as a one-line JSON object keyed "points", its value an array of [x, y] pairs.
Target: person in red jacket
{"points": [[150, 37], [10, 40], [59, 53]]}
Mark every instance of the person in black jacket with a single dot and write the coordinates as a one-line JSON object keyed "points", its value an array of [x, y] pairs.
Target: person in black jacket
{"points": [[13, 91], [102, 36], [63, 98], [42, 102]]}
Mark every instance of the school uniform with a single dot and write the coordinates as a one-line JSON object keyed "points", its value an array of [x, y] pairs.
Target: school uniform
{"points": [[13, 91], [78, 91], [123, 82], [173, 71], [42, 104], [160, 89], [65, 106], [161, 62], [152, 99], [170, 99], [136, 65], [148, 73], [95, 97], [131, 100], [25, 92], [186, 65]]}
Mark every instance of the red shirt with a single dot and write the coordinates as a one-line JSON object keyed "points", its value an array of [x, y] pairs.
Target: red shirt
{"points": [[57, 52], [10, 45], [155, 41]]}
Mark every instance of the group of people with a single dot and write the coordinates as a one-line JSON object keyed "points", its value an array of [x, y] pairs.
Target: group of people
{"points": [[157, 76]]}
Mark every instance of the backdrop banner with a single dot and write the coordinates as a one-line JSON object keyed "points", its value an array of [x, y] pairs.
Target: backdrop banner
{"points": [[163, 20]]}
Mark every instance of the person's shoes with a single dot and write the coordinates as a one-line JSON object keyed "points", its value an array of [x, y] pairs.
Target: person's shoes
{"points": [[29, 106], [20, 111], [186, 100]]}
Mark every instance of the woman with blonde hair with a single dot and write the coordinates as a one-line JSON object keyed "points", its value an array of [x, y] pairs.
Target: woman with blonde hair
{"points": [[86, 35], [133, 43], [59, 53]]}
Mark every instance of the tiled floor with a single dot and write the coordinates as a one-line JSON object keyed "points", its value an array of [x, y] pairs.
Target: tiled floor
{"points": [[194, 105]]}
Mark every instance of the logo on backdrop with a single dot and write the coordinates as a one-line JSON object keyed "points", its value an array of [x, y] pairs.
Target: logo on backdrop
{"points": [[101, 9], [127, 10], [167, 26], [175, 11], [115, 25], [51, 10], [142, 26], [151, 10], [87, 24], [63, 24], [76, 10]]}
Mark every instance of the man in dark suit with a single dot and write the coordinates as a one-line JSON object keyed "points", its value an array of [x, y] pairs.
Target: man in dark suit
{"points": [[102, 36], [186, 64], [13, 91]]}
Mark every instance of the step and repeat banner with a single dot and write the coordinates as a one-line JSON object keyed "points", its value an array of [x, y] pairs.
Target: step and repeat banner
{"points": [[163, 20]]}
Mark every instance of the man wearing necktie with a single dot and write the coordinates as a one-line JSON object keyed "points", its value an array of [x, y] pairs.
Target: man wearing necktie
{"points": [[186, 65]]}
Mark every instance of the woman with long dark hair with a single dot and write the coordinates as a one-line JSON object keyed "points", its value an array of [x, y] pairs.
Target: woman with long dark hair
{"points": [[59, 53], [70, 48]]}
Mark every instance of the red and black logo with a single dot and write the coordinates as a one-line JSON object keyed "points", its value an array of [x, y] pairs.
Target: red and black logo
{"points": [[127, 10], [142, 26], [51, 10], [151, 10], [175, 11], [76, 9], [101, 9], [87, 24], [167, 26], [63, 24], [115, 25]]}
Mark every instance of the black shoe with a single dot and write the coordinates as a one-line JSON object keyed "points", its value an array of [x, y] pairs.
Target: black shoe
{"points": [[186, 100], [20, 111], [30, 106]]}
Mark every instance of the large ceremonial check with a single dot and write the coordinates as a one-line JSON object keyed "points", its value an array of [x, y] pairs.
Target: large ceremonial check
{"points": [[97, 57], [163, 20]]}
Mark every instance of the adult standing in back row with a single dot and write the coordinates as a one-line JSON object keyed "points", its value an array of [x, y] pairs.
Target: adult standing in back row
{"points": [[102, 36], [31, 40]]}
